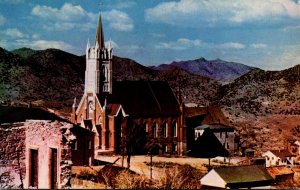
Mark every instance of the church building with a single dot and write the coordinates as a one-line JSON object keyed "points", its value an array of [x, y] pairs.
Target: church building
{"points": [[108, 107]]}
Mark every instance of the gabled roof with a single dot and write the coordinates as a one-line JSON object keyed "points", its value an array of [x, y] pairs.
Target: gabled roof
{"points": [[205, 115], [243, 174], [282, 154], [208, 146], [143, 98], [114, 109], [279, 171]]}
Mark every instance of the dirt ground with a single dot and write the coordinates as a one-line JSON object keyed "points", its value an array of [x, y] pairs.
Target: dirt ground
{"points": [[138, 163]]}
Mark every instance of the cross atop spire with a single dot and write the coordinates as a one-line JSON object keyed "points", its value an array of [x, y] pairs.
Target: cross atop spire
{"points": [[99, 34]]}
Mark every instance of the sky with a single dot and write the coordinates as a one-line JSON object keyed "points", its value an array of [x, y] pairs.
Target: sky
{"points": [[259, 33]]}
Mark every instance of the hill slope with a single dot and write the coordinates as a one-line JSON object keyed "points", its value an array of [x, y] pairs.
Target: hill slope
{"points": [[263, 92], [215, 69], [56, 77]]}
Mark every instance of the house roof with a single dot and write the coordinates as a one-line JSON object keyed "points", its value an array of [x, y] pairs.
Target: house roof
{"points": [[279, 171], [197, 116], [216, 127], [208, 146], [113, 109], [282, 154], [143, 98], [243, 174], [21, 114]]}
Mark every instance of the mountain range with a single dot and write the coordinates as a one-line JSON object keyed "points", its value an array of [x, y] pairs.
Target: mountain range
{"points": [[264, 106], [215, 69]]}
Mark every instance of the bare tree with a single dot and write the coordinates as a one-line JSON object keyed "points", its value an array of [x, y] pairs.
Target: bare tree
{"points": [[133, 140]]}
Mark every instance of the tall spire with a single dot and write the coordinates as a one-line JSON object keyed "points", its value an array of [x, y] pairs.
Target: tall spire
{"points": [[99, 34]]}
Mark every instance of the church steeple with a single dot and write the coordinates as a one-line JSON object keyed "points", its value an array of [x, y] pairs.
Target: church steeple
{"points": [[99, 34]]}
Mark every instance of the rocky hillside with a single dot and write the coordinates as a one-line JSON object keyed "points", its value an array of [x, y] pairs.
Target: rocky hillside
{"points": [[54, 77], [215, 69], [49, 75], [265, 92], [264, 106]]}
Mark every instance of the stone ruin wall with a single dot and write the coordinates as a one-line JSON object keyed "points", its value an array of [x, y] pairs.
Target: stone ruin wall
{"points": [[15, 141], [46, 135], [12, 155]]}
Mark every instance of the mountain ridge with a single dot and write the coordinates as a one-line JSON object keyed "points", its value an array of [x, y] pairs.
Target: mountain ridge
{"points": [[215, 69]]}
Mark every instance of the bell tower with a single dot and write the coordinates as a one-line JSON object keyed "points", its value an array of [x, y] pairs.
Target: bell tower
{"points": [[98, 73]]}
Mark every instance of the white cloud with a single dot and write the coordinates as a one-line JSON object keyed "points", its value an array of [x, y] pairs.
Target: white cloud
{"points": [[258, 46], [3, 43], [232, 45], [14, 33], [184, 43], [43, 44], [195, 13], [180, 44], [2, 19], [67, 12], [291, 28], [67, 17], [278, 59], [118, 20], [125, 4]]}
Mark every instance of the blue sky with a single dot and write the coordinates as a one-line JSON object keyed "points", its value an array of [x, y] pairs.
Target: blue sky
{"points": [[260, 33]]}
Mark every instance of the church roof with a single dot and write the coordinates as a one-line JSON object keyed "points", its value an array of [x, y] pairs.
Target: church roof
{"points": [[99, 34], [144, 98]]}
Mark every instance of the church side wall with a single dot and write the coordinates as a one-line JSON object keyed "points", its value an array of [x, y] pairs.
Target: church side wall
{"points": [[171, 144]]}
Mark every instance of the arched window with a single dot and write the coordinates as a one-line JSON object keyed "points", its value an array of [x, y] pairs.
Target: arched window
{"points": [[145, 125], [154, 129], [100, 120], [174, 129], [164, 128]]}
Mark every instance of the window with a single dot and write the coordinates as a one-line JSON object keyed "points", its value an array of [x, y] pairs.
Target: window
{"points": [[174, 129], [74, 145], [90, 145], [146, 127], [220, 134], [100, 120], [174, 148], [154, 129], [166, 148], [165, 129]]}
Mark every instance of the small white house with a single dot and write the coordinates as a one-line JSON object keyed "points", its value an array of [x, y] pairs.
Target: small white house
{"points": [[278, 157], [237, 177]]}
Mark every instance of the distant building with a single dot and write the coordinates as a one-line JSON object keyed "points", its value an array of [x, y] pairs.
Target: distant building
{"points": [[294, 147], [281, 174], [38, 148], [235, 177], [278, 157], [198, 119], [109, 108]]}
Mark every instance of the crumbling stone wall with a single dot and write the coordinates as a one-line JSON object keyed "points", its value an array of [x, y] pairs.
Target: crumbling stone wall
{"points": [[45, 135], [12, 155], [17, 139]]}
